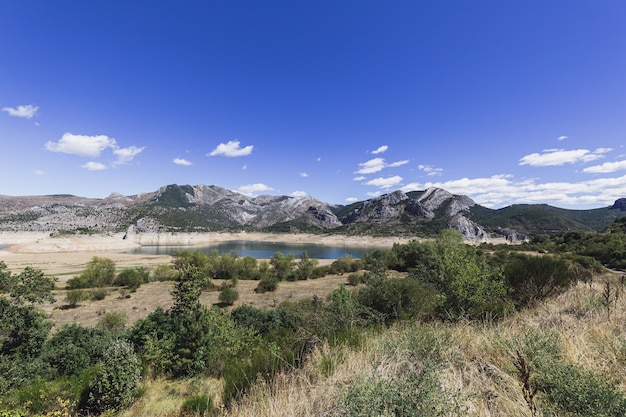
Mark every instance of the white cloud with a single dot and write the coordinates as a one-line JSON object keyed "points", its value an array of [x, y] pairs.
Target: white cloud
{"points": [[82, 145], [27, 112], [231, 149], [430, 171], [398, 163], [125, 155], [606, 167], [351, 200], [359, 178], [304, 174], [252, 189], [385, 183], [373, 194], [182, 161], [556, 157], [299, 194], [381, 149], [94, 166], [377, 165], [501, 190], [244, 167], [562, 138]]}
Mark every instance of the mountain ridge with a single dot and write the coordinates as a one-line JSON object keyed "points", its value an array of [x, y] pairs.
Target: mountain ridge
{"points": [[187, 208]]}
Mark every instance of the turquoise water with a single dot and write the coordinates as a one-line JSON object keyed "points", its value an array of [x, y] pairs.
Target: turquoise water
{"points": [[259, 250]]}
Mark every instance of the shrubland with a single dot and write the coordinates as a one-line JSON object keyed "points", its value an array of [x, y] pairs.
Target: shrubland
{"points": [[432, 328]]}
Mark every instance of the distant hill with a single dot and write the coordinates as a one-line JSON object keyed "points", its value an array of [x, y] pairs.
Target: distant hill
{"points": [[186, 208]]}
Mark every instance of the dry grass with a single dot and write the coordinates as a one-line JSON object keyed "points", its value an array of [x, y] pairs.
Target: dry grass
{"points": [[477, 361]]}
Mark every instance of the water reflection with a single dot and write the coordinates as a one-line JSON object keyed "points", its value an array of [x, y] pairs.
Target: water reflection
{"points": [[259, 250]]}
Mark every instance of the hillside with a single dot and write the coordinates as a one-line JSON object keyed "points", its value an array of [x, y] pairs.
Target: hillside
{"points": [[201, 208]]}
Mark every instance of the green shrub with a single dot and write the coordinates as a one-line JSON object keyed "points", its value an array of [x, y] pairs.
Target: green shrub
{"points": [[98, 294], [228, 295], [116, 381], [201, 405], [113, 322], [164, 272], [411, 391], [266, 284], [533, 278], [73, 297], [568, 388], [132, 278]]}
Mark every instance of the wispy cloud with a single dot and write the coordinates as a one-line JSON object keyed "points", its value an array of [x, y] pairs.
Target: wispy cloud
{"points": [[182, 162], [28, 111], [351, 200], [606, 167], [562, 138], [126, 155], [252, 189], [556, 157], [82, 145], [94, 166], [376, 165], [39, 172], [385, 183], [359, 178], [381, 149], [304, 174], [299, 194], [430, 171], [231, 149]]}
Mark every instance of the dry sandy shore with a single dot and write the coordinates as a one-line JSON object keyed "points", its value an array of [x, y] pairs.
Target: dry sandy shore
{"points": [[66, 256]]}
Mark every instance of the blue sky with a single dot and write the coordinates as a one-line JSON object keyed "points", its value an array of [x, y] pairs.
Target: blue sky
{"points": [[504, 101]]}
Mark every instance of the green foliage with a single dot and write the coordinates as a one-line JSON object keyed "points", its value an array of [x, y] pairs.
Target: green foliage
{"points": [[396, 298], [73, 348], [113, 322], [29, 286], [99, 272], [533, 278], [73, 297], [260, 321], [268, 283], [228, 295], [410, 391], [283, 266], [569, 388], [467, 285], [305, 268], [132, 277], [201, 405], [164, 272], [116, 381], [23, 329]]}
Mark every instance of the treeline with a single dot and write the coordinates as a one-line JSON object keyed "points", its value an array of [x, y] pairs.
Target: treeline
{"points": [[94, 370]]}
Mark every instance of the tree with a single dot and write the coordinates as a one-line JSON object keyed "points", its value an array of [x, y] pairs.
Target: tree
{"points": [[306, 266], [283, 265], [115, 384], [99, 272]]}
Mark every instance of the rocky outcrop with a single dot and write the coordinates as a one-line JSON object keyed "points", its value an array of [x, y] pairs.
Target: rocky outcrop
{"points": [[468, 228]]}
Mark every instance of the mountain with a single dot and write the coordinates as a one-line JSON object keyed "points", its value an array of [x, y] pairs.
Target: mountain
{"points": [[186, 208]]}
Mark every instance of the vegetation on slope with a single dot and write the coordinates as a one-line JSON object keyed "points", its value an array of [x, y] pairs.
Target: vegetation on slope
{"points": [[434, 328]]}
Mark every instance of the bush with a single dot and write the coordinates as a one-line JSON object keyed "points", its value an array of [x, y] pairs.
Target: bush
{"points": [[266, 284], [228, 295], [132, 278], [116, 381], [533, 278], [164, 272], [201, 405], [98, 294], [581, 392], [73, 297]]}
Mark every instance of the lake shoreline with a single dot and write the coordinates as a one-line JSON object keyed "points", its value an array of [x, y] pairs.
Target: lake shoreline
{"points": [[66, 255]]}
